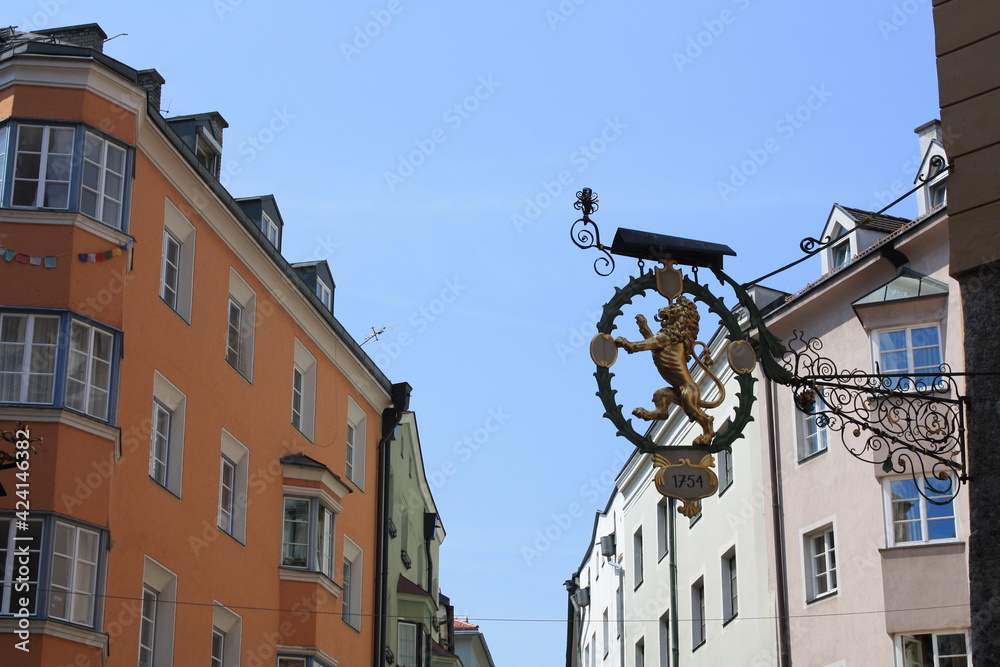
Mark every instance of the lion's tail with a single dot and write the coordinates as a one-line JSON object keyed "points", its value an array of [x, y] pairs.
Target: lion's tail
{"points": [[703, 362]]}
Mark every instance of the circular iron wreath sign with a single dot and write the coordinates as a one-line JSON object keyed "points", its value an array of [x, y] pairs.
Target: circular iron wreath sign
{"points": [[613, 411]]}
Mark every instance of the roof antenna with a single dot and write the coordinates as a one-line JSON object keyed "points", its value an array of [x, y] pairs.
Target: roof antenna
{"points": [[121, 34], [375, 333]]}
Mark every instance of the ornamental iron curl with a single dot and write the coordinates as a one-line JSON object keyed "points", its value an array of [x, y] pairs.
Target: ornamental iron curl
{"points": [[903, 422], [585, 234]]}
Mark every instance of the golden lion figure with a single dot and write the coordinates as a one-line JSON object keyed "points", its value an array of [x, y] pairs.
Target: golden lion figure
{"points": [[672, 347]]}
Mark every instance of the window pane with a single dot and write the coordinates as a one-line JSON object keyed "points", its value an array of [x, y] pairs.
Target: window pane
{"points": [[60, 140], [29, 138], [924, 337]]}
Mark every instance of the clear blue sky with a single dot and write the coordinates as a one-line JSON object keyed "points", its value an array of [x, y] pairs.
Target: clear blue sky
{"points": [[434, 162]]}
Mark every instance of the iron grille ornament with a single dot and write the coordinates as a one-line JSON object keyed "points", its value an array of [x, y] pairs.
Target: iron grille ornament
{"points": [[905, 423]]}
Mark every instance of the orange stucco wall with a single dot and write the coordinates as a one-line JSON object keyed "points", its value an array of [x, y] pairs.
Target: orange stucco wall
{"points": [[77, 474]]}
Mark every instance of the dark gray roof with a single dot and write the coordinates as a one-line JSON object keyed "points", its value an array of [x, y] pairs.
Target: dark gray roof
{"points": [[301, 459], [887, 224]]}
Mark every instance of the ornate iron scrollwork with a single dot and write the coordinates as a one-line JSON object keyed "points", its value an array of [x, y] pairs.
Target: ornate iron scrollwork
{"points": [[585, 234], [904, 422]]}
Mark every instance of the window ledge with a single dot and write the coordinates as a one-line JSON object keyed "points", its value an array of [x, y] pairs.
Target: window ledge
{"points": [[310, 576], [698, 645], [38, 216], [730, 619], [812, 457], [54, 628], [956, 545], [824, 596], [723, 490], [28, 414]]}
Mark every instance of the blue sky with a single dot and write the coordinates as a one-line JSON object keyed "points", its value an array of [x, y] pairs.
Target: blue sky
{"points": [[431, 152]]}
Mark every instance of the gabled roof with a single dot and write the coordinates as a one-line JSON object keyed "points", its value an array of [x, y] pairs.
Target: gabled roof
{"points": [[462, 625]]}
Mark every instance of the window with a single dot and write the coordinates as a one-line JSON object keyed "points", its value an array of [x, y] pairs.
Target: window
{"points": [[240, 328], [725, 470], [166, 445], [28, 346], [227, 628], [840, 253], [303, 390], [324, 293], [730, 599], [307, 535], [665, 640], [637, 558], [662, 529], [9, 575], [356, 422], [147, 626], [88, 378], [156, 620], [813, 438], [270, 229], [59, 360], [937, 194], [913, 350], [74, 574], [208, 151], [697, 614], [67, 167], [353, 566], [103, 183], [42, 166], [640, 653], [914, 517], [821, 564], [177, 266], [933, 650], [233, 467], [606, 625], [3, 158], [409, 653]]}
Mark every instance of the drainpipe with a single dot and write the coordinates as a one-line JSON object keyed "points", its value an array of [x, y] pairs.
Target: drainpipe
{"points": [[391, 417], [778, 519], [621, 607], [675, 648]]}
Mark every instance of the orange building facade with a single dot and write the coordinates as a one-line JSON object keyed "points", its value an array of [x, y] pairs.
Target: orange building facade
{"points": [[206, 483]]}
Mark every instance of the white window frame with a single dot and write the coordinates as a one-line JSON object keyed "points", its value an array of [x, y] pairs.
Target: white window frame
{"points": [[182, 232], [167, 398], [698, 628], [208, 151], [240, 331], [356, 439], [233, 517], [9, 600], [44, 184], [108, 204], [304, 391], [730, 586], [230, 625], [925, 509], [662, 529], [163, 584], [324, 293], [902, 383], [270, 229], [404, 656], [4, 134], [72, 597], [94, 397], [821, 577], [813, 439], [637, 560], [31, 352], [352, 583], [900, 646], [725, 463], [321, 529]]}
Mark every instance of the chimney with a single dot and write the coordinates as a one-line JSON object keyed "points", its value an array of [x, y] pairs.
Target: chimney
{"points": [[151, 80], [927, 133], [89, 36]]}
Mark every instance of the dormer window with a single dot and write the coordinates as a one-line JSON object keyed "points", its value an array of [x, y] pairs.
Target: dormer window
{"points": [[936, 195], [208, 151], [270, 229], [324, 293], [840, 253]]}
